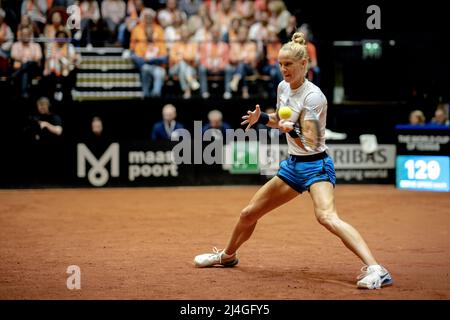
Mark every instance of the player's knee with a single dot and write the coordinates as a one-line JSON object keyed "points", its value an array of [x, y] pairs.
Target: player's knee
{"points": [[248, 215], [328, 220]]}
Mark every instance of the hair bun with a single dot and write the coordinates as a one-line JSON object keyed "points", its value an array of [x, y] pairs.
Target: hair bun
{"points": [[299, 38]]}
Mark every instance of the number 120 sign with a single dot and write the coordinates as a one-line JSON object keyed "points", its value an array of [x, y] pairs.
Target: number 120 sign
{"points": [[423, 173]]}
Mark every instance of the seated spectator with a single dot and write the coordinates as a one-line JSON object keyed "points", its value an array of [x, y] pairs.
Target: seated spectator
{"points": [[286, 34], [26, 56], [60, 66], [44, 132], [90, 15], [203, 34], [224, 15], [26, 22], [134, 11], [166, 129], [96, 139], [232, 32], [313, 67], [6, 41], [416, 117], [172, 28], [37, 10], [183, 63], [279, 16], [259, 30], [149, 54], [56, 24], [190, 7], [170, 13], [216, 123], [441, 115], [113, 13], [214, 60], [271, 66], [243, 56], [44, 126]]}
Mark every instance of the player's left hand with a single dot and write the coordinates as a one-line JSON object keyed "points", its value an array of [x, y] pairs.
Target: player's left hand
{"points": [[285, 125]]}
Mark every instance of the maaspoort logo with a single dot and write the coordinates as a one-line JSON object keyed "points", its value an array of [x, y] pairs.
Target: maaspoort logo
{"points": [[98, 175], [140, 164]]}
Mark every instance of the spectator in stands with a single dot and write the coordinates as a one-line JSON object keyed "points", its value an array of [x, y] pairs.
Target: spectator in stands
{"points": [[172, 26], [232, 32], [271, 67], [441, 115], [149, 54], [26, 22], [37, 10], [183, 63], [214, 60], [113, 13], [314, 70], [60, 66], [56, 23], [279, 15], [166, 129], [245, 8], [259, 30], [190, 7], [134, 11], [243, 55], [26, 56], [216, 123], [224, 15], [416, 117], [6, 41], [90, 15], [96, 139], [203, 34], [170, 13], [44, 131], [44, 126]]}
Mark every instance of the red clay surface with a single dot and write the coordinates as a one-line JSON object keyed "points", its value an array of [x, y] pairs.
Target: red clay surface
{"points": [[140, 243]]}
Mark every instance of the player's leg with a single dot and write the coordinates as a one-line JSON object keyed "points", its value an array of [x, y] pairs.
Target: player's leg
{"points": [[322, 194], [272, 195]]}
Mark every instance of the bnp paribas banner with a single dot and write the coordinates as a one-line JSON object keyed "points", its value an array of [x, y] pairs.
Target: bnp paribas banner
{"points": [[352, 164]]}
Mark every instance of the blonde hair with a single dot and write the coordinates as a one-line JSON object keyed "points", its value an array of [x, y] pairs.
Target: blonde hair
{"points": [[419, 114], [297, 48]]}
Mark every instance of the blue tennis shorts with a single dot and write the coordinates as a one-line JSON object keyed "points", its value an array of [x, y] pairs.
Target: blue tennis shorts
{"points": [[300, 172]]}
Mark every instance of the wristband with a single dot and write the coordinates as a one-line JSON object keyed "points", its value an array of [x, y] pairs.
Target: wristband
{"points": [[263, 118], [293, 134]]}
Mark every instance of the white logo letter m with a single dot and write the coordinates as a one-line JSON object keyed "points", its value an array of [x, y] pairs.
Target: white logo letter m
{"points": [[98, 175]]}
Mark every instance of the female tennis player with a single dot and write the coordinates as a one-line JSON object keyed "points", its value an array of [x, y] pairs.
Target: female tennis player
{"points": [[308, 168]]}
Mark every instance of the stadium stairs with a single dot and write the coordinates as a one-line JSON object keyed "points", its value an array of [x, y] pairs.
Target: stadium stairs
{"points": [[105, 75]]}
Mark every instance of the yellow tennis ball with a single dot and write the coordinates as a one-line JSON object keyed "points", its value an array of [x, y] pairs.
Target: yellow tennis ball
{"points": [[285, 113]]}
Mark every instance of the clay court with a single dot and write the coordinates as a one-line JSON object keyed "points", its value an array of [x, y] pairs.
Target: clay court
{"points": [[140, 243]]}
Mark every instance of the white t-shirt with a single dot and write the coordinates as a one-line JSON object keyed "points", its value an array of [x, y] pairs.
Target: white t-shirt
{"points": [[309, 98]]}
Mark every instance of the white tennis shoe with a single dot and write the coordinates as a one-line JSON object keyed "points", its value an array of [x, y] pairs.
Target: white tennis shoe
{"points": [[215, 258], [374, 277]]}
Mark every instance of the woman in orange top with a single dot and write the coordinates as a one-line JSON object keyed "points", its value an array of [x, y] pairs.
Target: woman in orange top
{"points": [[183, 61], [214, 60]]}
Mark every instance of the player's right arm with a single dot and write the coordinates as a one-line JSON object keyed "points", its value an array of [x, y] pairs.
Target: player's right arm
{"points": [[252, 117]]}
